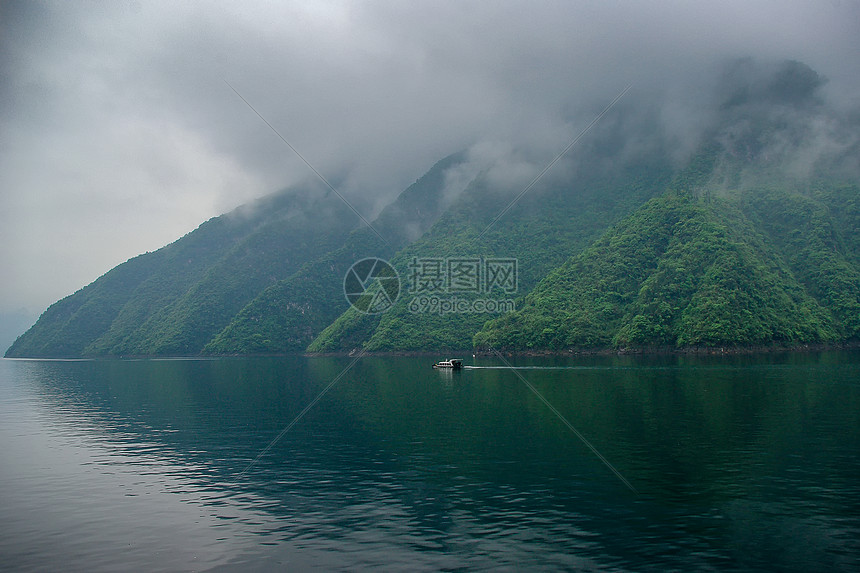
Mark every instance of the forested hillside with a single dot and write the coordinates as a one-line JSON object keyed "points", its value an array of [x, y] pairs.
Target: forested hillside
{"points": [[561, 218], [174, 300], [683, 272], [288, 315], [264, 278], [750, 241], [744, 235]]}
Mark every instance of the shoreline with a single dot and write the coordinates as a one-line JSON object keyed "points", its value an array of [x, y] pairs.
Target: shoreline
{"points": [[608, 351], [601, 351]]}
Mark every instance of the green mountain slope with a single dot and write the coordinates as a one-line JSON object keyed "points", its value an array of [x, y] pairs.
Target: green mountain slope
{"points": [[172, 301], [817, 234], [678, 273], [560, 218], [710, 262], [288, 315], [265, 278], [629, 240]]}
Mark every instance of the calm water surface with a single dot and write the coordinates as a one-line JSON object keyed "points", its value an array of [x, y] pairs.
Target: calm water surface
{"points": [[739, 463]]}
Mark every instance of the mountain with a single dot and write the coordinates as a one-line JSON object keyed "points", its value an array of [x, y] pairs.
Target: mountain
{"points": [[750, 241], [288, 315], [744, 235], [560, 218], [12, 325], [684, 273], [267, 271], [172, 301]]}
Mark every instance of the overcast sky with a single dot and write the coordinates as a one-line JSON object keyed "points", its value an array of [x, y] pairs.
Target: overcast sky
{"points": [[119, 133]]}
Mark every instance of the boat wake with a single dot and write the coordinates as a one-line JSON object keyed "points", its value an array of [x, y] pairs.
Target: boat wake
{"points": [[528, 367]]}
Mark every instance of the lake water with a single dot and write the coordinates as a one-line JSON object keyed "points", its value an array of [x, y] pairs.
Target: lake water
{"points": [[738, 463]]}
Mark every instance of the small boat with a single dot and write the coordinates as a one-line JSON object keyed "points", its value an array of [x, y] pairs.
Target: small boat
{"points": [[453, 363]]}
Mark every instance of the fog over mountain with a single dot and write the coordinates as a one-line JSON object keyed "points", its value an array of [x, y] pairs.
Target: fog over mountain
{"points": [[119, 131]]}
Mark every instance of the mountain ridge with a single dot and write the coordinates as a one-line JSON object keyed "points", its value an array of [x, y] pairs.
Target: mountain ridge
{"points": [[749, 240]]}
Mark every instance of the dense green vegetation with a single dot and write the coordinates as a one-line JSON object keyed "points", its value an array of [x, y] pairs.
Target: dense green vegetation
{"points": [[174, 300], [751, 240], [265, 278], [676, 273], [288, 315], [817, 236], [559, 219]]}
